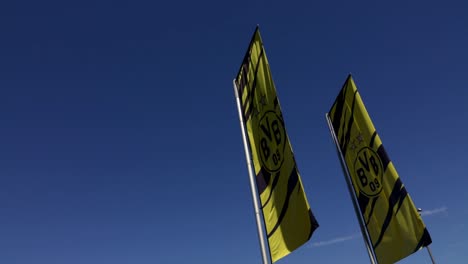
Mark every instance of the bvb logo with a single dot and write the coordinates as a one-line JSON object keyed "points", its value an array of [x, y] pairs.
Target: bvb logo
{"points": [[369, 171], [272, 141]]}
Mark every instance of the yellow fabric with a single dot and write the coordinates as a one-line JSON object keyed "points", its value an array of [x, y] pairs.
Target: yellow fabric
{"points": [[288, 219], [394, 225]]}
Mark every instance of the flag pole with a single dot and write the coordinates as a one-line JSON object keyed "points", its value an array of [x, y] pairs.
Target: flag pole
{"points": [[430, 254], [365, 234], [427, 247], [253, 187]]}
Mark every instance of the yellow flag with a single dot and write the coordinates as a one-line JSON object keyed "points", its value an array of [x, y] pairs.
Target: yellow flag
{"points": [[395, 227], [288, 219]]}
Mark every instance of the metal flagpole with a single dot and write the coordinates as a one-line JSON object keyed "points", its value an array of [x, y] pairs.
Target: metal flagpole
{"points": [[258, 217], [365, 234], [430, 254], [427, 247]]}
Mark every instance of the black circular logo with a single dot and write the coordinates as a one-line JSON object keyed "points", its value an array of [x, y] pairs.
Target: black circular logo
{"points": [[272, 141], [368, 170]]}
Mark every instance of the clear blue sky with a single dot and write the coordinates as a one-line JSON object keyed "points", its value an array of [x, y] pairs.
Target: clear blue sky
{"points": [[120, 140]]}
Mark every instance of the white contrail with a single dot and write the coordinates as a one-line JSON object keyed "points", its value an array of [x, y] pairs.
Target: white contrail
{"points": [[357, 235], [434, 211], [335, 240]]}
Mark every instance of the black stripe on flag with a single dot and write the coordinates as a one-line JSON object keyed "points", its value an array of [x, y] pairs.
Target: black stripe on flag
{"points": [[292, 182], [272, 188], [246, 61], [249, 100], [347, 137], [404, 193], [244, 74], [363, 201], [425, 240], [313, 222], [383, 157], [396, 195], [339, 105], [371, 143], [263, 179], [374, 201]]}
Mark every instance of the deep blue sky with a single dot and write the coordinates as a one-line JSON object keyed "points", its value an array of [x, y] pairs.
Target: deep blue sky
{"points": [[120, 140]]}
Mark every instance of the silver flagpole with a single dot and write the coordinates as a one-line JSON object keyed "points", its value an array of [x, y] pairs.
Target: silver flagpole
{"points": [[253, 187], [365, 234], [427, 247], [430, 254]]}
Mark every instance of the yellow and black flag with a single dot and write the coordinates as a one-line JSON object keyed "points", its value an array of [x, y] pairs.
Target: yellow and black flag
{"points": [[394, 225], [288, 219]]}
